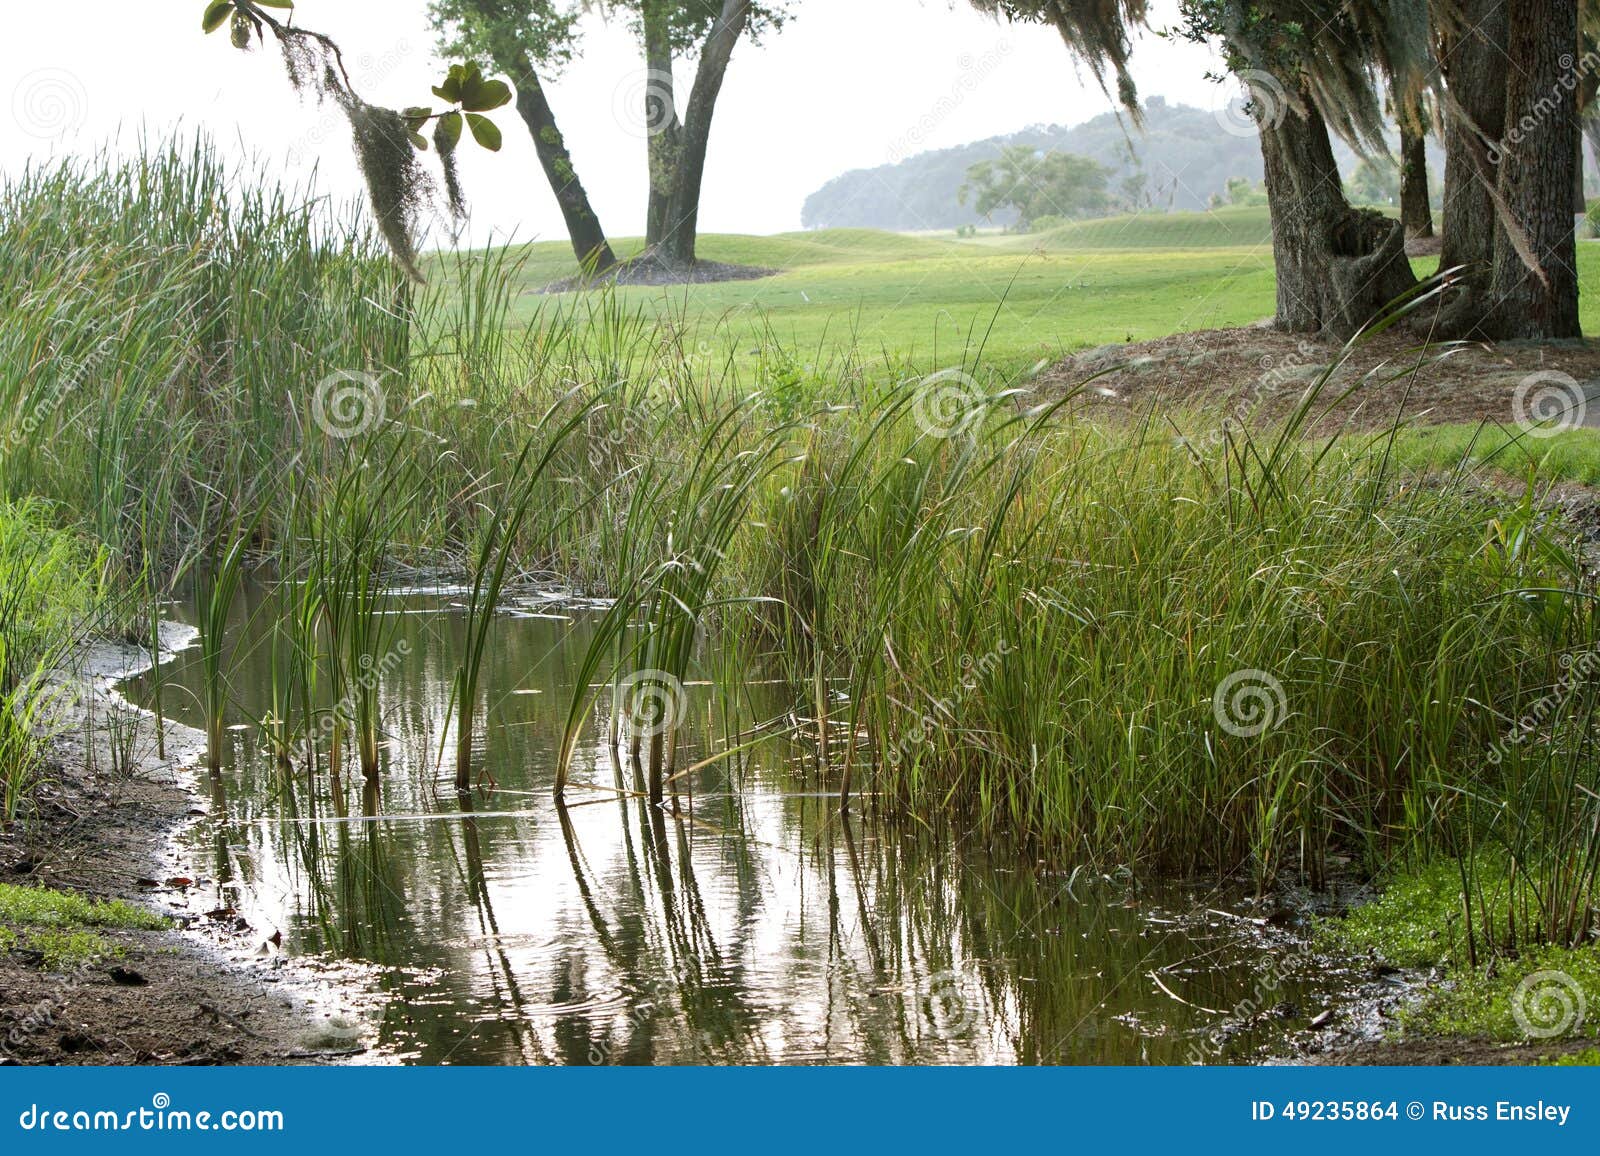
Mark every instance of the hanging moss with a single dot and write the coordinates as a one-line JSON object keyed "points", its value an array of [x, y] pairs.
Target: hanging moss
{"points": [[399, 189]]}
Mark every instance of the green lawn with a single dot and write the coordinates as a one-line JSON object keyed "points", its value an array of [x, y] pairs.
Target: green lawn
{"points": [[927, 298]]}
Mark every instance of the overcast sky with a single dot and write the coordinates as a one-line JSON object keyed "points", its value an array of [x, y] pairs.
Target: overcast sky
{"points": [[848, 84]]}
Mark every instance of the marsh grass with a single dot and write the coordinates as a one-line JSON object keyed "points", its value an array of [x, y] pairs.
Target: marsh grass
{"points": [[1013, 629], [52, 597]]}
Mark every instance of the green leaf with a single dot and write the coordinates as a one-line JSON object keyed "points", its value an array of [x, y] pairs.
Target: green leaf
{"points": [[276, 3], [216, 15], [484, 131], [491, 94], [450, 90], [415, 116], [418, 141], [447, 132]]}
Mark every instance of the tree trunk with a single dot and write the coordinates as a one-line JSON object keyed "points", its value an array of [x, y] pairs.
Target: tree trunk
{"points": [[1591, 130], [1337, 267], [583, 226], [1588, 88], [1415, 212], [683, 215], [661, 121], [1473, 64], [1534, 293]]}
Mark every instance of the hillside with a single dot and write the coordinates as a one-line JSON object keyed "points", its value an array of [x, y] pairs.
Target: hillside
{"points": [[1180, 158]]}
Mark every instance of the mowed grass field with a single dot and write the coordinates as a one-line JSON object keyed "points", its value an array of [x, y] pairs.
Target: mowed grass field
{"points": [[933, 300]]}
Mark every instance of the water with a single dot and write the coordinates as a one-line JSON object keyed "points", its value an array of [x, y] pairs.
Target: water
{"points": [[754, 927]]}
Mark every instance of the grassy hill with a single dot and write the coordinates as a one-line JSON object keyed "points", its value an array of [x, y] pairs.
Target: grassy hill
{"points": [[928, 298], [931, 300]]}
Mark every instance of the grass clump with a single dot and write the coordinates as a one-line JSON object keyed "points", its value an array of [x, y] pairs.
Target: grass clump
{"points": [[43, 907], [51, 592], [62, 926], [1523, 992]]}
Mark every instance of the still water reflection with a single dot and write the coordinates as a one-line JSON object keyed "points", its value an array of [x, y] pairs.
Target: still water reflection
{"points": [[752, 927]]}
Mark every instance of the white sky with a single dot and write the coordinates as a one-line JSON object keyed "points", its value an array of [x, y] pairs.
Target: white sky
{"points": [[848, 84]]}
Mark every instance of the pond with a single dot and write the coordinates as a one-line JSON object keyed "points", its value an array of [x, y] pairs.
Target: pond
{"points": [[754, 925]]}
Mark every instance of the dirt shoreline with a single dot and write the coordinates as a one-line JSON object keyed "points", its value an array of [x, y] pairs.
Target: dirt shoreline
{"points": [[212, 990]]}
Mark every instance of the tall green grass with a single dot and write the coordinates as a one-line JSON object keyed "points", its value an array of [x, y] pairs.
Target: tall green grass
{"points": [[1252, 651], [52, 595]]}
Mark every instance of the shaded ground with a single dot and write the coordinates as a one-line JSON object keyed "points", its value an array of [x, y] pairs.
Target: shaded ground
{"points": [[1255, 375], [217, 993], [647, 269]]}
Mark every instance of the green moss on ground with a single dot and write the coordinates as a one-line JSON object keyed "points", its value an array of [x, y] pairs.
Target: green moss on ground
{"points": [[59, 925], [1540, 993]]}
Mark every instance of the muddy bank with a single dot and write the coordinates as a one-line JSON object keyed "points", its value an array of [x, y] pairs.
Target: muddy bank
{"points": [[212, 990], [1257, 375]]}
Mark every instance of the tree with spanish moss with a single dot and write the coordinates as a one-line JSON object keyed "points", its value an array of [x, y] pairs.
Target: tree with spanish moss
{"points": [[387, 141]]}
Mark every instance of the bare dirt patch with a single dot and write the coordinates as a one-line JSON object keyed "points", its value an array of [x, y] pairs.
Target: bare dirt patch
{"points": [[213, 990], [1256, 375]]}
